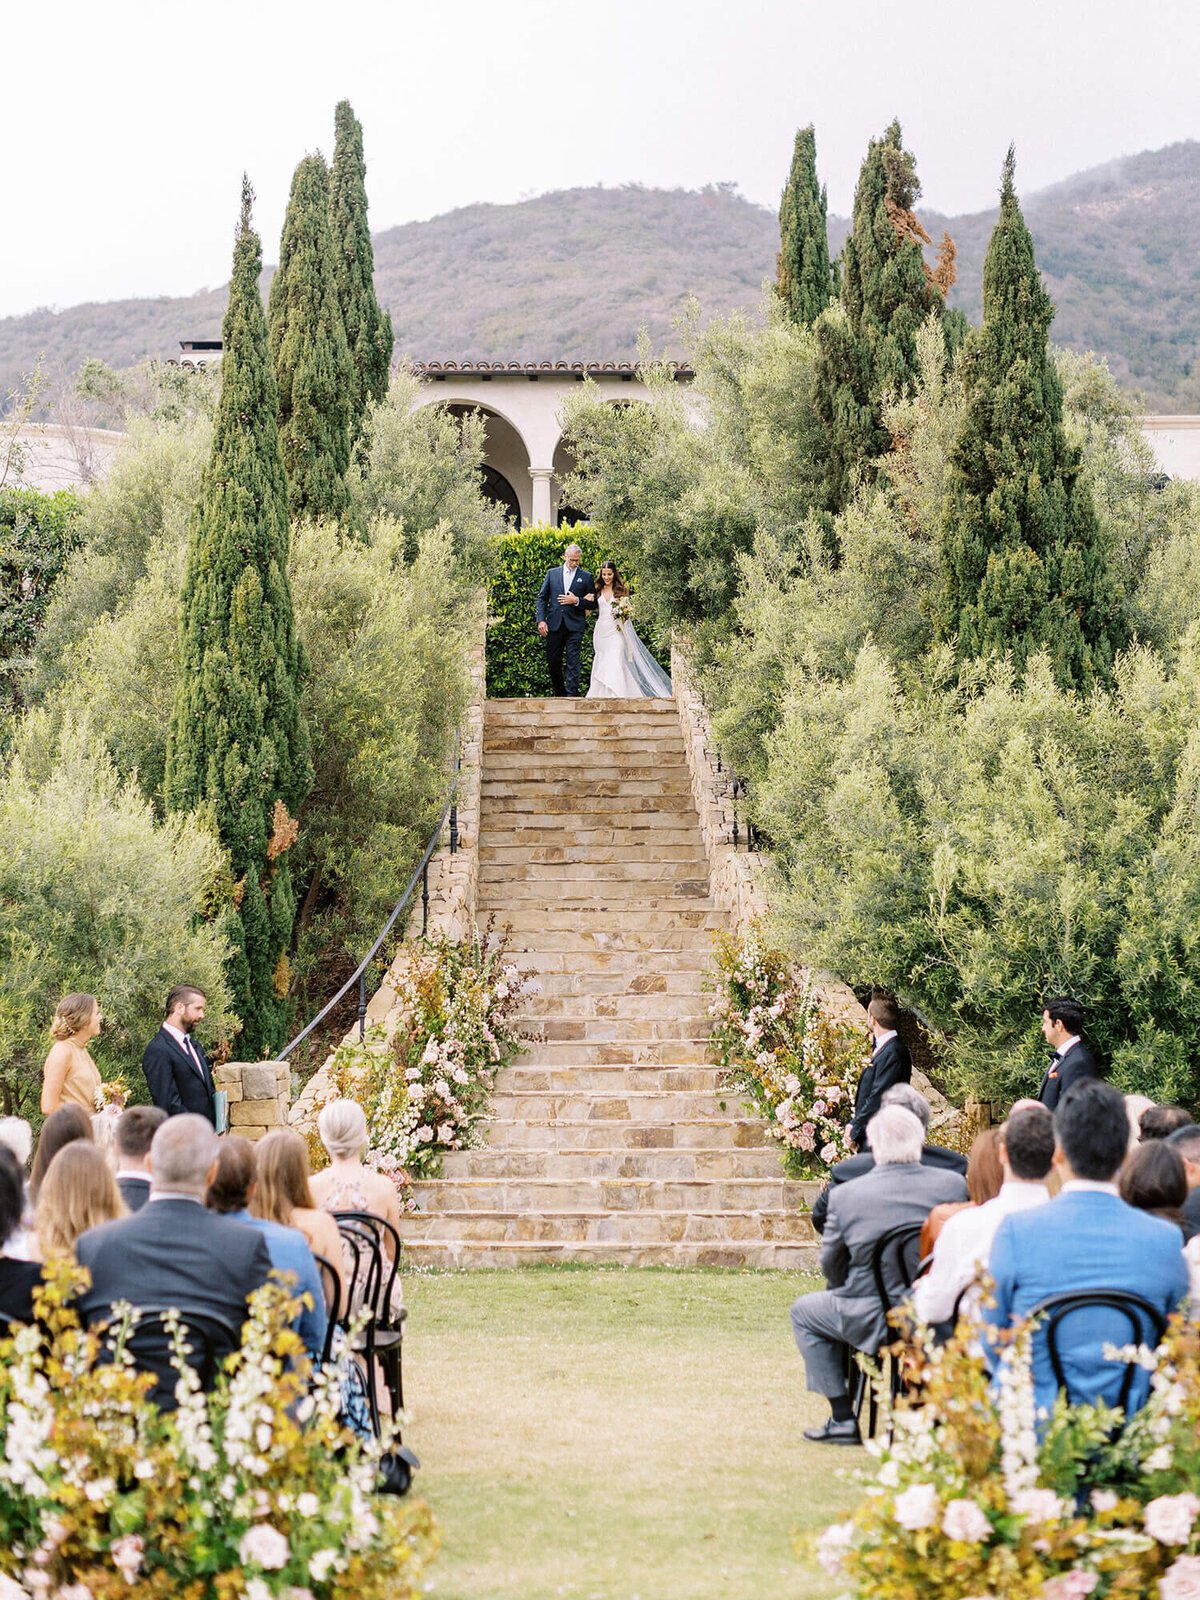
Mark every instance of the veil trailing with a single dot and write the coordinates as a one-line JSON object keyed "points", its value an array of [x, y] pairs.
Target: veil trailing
{"points": [[641, 666]]}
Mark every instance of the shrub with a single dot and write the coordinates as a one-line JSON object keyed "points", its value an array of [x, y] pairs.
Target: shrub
{"points": [[38, 533]]}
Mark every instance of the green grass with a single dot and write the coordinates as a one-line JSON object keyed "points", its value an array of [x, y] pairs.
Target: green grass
{"points": [[623, 1435]]}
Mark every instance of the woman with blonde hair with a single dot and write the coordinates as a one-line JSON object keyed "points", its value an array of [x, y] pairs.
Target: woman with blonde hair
{"points": [[282, 1194], [78, 1192], [70, 1076], [346, 1184]]}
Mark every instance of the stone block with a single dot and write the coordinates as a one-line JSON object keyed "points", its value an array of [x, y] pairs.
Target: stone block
{"points": [[253, 1114], [261, 1081]]}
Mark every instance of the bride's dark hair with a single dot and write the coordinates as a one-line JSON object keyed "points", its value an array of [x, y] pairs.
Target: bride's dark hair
{"points": [[619, 587]]}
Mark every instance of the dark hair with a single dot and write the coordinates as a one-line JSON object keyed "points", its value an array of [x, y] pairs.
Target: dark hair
{"points": [[61, 1127], [1153, 1180], [984, 1172], [1187, 1141], [136, 1128], [230, 1188], [12, 1194], [181, 994], [885, 1011], [1160, 1122], [1065, 1010], [1092, 1126], [619, 587], [1029, 1143]]}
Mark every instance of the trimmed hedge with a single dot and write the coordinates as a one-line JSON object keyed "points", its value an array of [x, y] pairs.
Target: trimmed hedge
{"points": [[516, 656]]}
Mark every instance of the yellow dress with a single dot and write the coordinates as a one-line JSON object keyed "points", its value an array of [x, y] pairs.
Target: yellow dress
{"points": [[82, 1080]]}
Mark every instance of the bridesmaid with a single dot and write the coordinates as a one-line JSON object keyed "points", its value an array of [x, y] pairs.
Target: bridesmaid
{"points": [[70, 1076]]}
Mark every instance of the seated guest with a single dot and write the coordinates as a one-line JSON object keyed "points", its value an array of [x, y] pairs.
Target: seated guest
{"points": [[890, 1063], [1160, 1122], [229, 1194], [18, 1279], [1070, 1059], [1025, 1152], [78, 1192], [174, 1253], [60, 1128], [897, 1190], [347, 1185], [1086, 1238], [1153, 1180], [1187, 1142], [932, 1155], [984, 1177], [133, 1135], [282, 1194]]}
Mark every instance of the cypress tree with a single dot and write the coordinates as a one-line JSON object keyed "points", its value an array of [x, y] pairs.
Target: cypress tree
{"points": [[866, 345], [315, 374], [238, 745], [368, 330], [1022, 558], [805, 280]]}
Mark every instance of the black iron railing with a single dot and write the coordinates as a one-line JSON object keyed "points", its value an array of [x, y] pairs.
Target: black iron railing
{"points": [[739, 789], [421, 875]]}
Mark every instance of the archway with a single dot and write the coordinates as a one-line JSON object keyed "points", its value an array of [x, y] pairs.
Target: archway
{"points": [[565, 514], [506, 463]]}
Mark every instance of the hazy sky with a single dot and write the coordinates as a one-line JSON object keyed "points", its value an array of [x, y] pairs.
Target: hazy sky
{"points": [[129, 123]]}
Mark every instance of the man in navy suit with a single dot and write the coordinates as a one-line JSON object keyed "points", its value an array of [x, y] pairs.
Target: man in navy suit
{"points": [[176, 1067], [1086, 1238], [890, 1063], [1072, 1062], [562, 606]]}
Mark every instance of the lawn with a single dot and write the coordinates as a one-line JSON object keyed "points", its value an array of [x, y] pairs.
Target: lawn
{"points": [[617, 1434]]}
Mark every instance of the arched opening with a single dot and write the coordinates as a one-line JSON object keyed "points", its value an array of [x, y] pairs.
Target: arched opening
{"points": [[565, 514], [500, 492], [506, 463]]}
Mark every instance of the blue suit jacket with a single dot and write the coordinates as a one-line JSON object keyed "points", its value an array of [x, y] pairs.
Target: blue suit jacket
{"points": [[555, 616], [1085, 1239]]}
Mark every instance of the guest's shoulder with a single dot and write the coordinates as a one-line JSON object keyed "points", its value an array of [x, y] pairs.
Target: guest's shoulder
{"points": [[94, 1241], [851, 1167]]}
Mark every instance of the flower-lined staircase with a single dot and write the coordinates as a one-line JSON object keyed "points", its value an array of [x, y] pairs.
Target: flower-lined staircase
{"points": [[612, 1139]]}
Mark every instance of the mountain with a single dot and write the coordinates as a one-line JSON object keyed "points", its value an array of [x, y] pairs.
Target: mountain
{"points": [[575, 274]]}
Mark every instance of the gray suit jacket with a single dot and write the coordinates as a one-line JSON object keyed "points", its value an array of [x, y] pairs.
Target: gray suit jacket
{"points": [[860, 1213]]}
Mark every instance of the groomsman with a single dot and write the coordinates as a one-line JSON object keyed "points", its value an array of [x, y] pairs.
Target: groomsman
{"points": [[176, 1068], [890, 1063], [1071, 1060]]}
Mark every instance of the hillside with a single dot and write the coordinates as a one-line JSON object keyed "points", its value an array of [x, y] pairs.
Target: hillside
{"points": [[575, 274]]}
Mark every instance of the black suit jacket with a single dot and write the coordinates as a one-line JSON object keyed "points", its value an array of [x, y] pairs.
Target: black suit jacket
{"points": [[175, 1085], [174, 1254], [134, 1191], [1077, 1064], [1191, 1210], [555, 616], [932, 1155], [890, 1064]]}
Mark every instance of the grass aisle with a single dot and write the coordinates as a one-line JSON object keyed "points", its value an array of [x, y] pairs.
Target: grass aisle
{"points": [[622, 1435]]}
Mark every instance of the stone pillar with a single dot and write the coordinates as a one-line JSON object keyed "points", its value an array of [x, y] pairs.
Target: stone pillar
{"points": [[542, 509], [258, 1094]]}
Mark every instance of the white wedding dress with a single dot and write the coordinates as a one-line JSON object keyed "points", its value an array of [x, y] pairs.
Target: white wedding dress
{"points": [[623, 668]]}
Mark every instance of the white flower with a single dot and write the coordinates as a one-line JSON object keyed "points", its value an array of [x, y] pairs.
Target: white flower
{"points": [[832, 1546], [445, 1132], [916, 1507], [127, 1554], [1181, 1580], [256, 1589], [501, 991], [431, 1051], [263, 1546], [319, 1566], [1160, 1460], [1104, 1500], [965, 1521], [1169, 1519], [308, 1505], [828, 1152], [424, 1134], [1039, 1505], [1071, 1585]]}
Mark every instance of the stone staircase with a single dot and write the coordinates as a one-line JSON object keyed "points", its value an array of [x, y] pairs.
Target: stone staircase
{"points": [[612, 1139]]}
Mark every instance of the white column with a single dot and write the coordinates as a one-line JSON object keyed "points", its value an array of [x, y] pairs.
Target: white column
{"points": [[541, 494]]}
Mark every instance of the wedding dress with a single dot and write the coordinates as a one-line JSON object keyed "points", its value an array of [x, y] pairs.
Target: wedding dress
{"points": [[623, 668]]}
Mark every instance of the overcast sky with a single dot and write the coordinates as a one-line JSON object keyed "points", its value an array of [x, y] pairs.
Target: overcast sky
{"points": [[129, 123]]}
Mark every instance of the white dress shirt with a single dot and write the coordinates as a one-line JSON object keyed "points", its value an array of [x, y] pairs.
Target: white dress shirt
{"points": [[964, 1245], [568, 575], [184, 1041], [882, 1038]]}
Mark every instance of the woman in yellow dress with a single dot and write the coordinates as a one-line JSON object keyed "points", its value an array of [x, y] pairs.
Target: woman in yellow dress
{"points": [[70, 1076]]}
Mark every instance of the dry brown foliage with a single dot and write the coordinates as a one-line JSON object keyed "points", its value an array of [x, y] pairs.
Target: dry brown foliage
{"points": [[283, 832]]}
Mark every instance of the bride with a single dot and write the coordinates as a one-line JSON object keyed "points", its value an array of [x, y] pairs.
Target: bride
{"points": [[623, 668]]}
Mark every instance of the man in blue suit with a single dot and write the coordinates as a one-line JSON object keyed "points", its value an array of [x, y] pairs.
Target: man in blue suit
{"points": [[1086, 1238], [567, 594]]}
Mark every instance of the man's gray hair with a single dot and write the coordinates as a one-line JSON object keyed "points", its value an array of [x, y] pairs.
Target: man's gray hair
{"points": [[181, 1154], [573, 549], [895, 1136], [17, 1136], [903, 1094]]}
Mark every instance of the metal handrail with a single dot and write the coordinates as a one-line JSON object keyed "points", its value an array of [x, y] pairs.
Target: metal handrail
{"points": [[359, 975]]}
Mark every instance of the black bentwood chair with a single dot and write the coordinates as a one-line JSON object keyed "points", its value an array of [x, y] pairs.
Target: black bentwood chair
{"points": [[332, 1284], [373, 1276], [148, 1336], [1139, 1318], [895, 1267]]}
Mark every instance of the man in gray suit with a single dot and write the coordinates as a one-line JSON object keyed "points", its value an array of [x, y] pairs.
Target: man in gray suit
{"points": [[897, 1190]]}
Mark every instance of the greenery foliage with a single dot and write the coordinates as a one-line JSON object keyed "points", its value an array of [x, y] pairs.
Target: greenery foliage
{"points": [[238, 742], [368, 330], [804, 279], [38, 535]]}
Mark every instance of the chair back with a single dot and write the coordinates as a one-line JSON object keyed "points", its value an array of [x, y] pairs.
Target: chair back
{"points": [[389, 1246], [331, 1282], [894, 1263], [1138, 1315], [149, 1341]]}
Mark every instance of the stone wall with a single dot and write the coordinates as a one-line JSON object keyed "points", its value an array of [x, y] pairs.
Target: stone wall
{"points": [[258, 1094]]}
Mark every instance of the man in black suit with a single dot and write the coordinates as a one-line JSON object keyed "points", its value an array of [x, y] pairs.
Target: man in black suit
{"points": [[1071, 1060], [176, 1067], [890, 1063], [932, 1155], [1186, 1141], [133, 1136], [562, 608], [174, 1253]]}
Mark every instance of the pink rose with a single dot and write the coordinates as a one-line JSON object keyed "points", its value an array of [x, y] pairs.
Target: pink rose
{"points": [[916, 1507], [828, 1152], [1181, 1580], [964, 1521], [1071, 1585], [263, 1546], [1169, 1518], [127, 1554]]}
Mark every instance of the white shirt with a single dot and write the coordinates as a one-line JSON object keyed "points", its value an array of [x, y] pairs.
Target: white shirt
{"points": [[1089, 1186], [964, 1245], [138, 1174], [184, 1041], [174, 1194], [882, 1038], [1067, 1044], [567, 577]]}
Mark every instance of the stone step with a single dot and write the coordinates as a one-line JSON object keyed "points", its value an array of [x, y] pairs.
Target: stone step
{"points": [[589, 783], [603, 815], [655, 942], [635, 1105], [625, 922], [610, 1134], [649, 1052], [617, 899], [607, 985], [706, 1162], [619, 1008], [643, 966], [605, 1227], [549, 706], [591, 1196], [612, 1080], [637, 867], [507, 748], [504, 1255], [565, 1027], [598, 845]]}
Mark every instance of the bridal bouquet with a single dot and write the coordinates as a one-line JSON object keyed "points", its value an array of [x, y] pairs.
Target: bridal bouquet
{"points": [[622, 611], [112, 1096]]}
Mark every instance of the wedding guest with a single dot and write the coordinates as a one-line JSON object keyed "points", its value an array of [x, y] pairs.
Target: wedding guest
{"points": [[1136, 1107], [17, 1135], [1187, 1142], [984, 1177], [60, 1128], [1160, 1122], [283, 1194], [1153, 1179], [890, 1064], [70, 1076], [1071, 1060], [78, 1192], [346, 1184], [177, 1070], [133, 1137], [18, 1277], [229, 1194]]}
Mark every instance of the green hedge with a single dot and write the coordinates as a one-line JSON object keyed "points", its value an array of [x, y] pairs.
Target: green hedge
{"points": [[38, 533], [516, 656]]}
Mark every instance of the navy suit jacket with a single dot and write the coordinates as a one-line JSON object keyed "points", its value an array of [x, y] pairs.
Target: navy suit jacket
{"points": [[1077, 1064], [174, 1082], [1085, 1239], [555, 616], [890, 1064]]}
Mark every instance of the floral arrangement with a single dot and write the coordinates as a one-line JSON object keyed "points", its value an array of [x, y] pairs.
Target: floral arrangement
{"points": [[797, 1065], [969, 1504], [622, 611], [426, 1088], [112, 1096], [253, 1490]]}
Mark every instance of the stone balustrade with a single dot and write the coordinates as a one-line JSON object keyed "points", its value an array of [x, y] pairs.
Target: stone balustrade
{"points": [[258, 1093]]}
